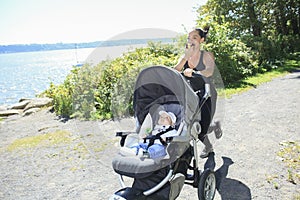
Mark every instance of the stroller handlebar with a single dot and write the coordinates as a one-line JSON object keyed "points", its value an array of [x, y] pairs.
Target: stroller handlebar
{"points": [[207, 90]]}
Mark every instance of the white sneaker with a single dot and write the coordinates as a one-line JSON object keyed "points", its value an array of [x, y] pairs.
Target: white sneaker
{"points": [[207, 149], [205, 152]]}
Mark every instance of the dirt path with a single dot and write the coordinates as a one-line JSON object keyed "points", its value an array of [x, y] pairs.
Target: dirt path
{"points": [[79, 167]]}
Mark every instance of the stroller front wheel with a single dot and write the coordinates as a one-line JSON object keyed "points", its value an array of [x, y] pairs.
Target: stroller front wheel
{"points": [[207, 185]]}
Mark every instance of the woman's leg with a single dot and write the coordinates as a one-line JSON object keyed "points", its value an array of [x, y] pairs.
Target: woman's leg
{"points": [[206, 117]]}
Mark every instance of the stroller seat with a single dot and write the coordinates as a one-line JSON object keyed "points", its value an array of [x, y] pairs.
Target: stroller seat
{"points": [[139, 167]]}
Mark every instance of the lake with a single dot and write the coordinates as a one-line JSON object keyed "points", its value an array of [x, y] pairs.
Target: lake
{"points": [[24, 75]]}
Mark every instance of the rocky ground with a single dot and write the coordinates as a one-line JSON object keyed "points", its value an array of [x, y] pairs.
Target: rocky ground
{"points": [[36, 163]]}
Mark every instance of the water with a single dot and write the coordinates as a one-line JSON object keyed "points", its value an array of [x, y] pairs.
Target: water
{"points": [[23, 75]]}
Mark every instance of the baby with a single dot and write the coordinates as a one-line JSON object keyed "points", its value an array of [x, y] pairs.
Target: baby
{"points": [[157, 149], [165, 120]]}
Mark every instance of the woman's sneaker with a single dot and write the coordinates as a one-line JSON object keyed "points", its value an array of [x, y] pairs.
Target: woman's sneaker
{"points": [[218, 130], [207, 149], [205, 152]]}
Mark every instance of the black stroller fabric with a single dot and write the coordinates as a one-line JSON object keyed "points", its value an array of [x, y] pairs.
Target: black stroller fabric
{"points": [[160, 85]]}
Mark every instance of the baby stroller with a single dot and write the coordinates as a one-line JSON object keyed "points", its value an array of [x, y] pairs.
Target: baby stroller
{"points": [[161, 88]]}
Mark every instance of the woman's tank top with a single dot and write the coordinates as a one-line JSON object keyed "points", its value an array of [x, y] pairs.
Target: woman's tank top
{"points": [[200, 66], [197, 82]]}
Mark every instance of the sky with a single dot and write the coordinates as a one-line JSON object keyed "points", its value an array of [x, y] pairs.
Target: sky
{"points": [[75, 21]]}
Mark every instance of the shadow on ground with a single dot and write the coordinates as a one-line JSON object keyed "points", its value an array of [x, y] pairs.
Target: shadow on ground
{"points": [[229, 189]]}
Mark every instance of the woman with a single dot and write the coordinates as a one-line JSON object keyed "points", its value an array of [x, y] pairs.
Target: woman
{"points": [[202, 63]]}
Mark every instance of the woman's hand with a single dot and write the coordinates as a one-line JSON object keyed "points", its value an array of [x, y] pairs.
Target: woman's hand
{"points": [[188, 72], [189, 51]]}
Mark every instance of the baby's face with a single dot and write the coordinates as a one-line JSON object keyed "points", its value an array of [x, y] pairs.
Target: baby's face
{"points": [[164, 119]]}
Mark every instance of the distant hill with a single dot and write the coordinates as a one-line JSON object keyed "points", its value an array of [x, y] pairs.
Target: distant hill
{"points": [[58, 46]]}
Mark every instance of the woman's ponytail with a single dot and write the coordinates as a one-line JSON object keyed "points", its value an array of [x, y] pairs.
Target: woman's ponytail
{"points": [[203, 32]]}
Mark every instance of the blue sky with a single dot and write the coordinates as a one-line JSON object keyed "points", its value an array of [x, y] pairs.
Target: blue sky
{"points": [[52, 21]]}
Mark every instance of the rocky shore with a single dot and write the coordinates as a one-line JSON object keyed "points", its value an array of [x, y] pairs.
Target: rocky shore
{"points": [[25, 107]]}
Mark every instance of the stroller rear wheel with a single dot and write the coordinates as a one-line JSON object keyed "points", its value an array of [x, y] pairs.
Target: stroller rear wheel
{"points": [[207, 185]]}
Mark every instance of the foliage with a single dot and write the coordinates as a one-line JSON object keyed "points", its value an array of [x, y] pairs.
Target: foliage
{"points": [[114, 92], [105, 90], [234, 59], [269, 33], [254, 81], [254, 17], [62, 94]]}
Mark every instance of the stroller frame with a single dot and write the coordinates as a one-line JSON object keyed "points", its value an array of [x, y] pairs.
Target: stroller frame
{"points": [[205, 180]]}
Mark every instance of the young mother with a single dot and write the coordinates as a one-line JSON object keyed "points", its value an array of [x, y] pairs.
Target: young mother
{"points": [[202, 63]]}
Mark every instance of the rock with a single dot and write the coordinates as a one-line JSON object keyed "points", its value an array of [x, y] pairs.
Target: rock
{"points": [[3, 108], [20, 105], [25, 107], [38, 103], [25, 99], [6, 113], [31, 111]]}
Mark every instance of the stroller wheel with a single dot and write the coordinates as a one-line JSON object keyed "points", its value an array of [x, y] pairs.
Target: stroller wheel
{"points": [[207, 185]]}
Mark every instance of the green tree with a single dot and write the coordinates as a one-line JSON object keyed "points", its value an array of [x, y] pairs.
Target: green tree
{"points": [[255, 17]]}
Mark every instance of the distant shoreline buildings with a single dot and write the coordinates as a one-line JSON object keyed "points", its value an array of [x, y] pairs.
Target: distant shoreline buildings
{"points": [[16, 48]]}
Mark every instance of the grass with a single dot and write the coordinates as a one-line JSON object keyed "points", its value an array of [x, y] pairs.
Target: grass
{"points": [[272, 179], [254, 81], [290, 153], [48, 139]]}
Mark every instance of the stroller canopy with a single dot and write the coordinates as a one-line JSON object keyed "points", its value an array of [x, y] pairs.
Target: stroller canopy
{"points": [[163, 85]]}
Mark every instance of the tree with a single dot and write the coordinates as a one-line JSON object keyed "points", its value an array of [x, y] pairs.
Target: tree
{"points": [[255, 17]]}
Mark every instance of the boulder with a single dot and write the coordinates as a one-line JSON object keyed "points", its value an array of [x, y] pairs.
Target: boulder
{"points": [[31, 111], [20, 105], [38, 103], [25, 99], [6, 113]]}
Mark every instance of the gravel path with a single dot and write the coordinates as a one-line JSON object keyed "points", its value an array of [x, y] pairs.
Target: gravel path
{"points": [[79, 167]]}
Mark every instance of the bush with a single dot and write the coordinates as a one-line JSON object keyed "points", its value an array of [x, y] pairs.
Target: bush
{"points": [[113, 95], [268, 52], [234, 59], [105, 90], [62, 94]]}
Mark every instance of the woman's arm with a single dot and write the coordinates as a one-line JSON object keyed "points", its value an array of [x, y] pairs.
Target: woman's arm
{"points": [[187, 54], [209, 62], [180, 64]]}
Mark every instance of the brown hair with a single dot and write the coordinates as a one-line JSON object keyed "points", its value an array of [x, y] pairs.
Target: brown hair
{"points": [[203, 32]]}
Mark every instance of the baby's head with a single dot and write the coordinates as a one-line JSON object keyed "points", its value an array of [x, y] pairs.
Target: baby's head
{"points": [[166, 118]]}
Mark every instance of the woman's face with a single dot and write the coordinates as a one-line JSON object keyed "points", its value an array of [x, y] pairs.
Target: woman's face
{"points": [[194, 39]]}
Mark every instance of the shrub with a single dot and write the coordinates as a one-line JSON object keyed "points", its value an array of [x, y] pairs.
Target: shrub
{"points": [[62, 94], [234, 59], [113, 95], [105, 90]]}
